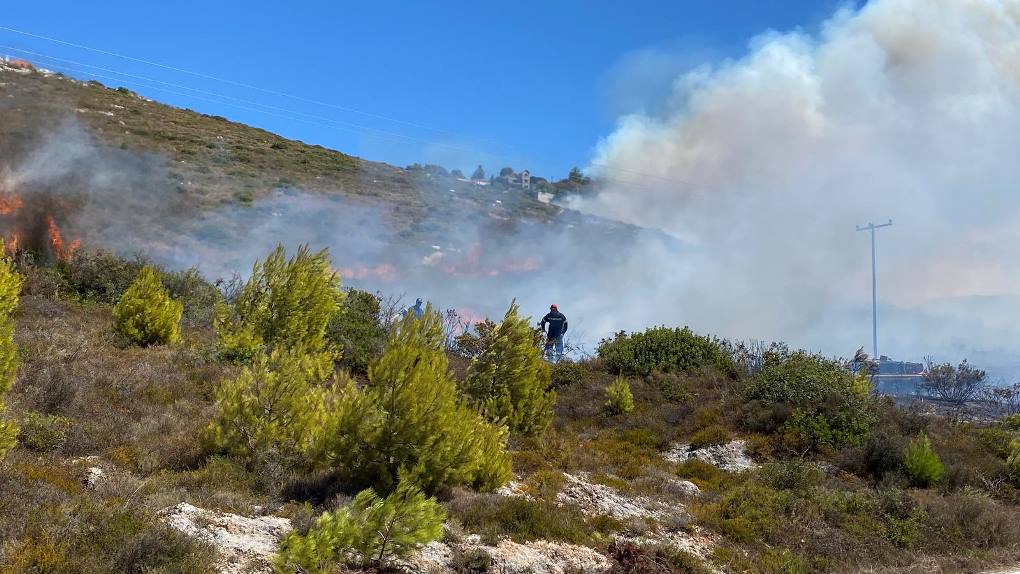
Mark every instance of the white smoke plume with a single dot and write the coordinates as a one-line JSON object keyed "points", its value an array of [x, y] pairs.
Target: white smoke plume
{"points": [[763, 165]]}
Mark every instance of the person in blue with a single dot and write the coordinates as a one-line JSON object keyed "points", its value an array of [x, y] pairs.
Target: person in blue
{"points": [[417, 309], [554, 334]]}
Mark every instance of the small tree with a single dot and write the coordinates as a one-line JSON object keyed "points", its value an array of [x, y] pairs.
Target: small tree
{"points": [[356, 330], [285, 303], [922, 464], [146, 314], [274, 409], [509, 381], [507, 172], [479, 173], [955, 385], [370, 531], [619, 401], [413, 421], [10, 288], [457, 173]]}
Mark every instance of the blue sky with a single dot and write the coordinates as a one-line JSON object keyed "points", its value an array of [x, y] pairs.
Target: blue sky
{"points": [[528, 84]]}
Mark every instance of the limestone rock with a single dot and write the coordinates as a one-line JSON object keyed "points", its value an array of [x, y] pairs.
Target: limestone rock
{"points": [[246, 545], [731, 456]]}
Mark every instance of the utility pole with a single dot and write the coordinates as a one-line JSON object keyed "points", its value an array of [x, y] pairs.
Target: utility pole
{"points": [[871, 227]]}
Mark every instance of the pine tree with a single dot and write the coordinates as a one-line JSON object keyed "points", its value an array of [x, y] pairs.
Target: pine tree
{"points": [[275, 408], [146, 314], [414, 422], [619, 400], [285, 303], [10, 288], [509, 381], [370, 531]]}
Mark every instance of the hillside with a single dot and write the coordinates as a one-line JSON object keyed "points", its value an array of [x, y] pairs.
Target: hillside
{"points": [[153, 420]]}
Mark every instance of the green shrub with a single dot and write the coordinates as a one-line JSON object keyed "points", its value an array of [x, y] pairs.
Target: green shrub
{"points": [[509, 381], [922, 464], [10, 288], [814, 401], [1013, 463], [100, 276], [410, 418], [793, 474], [356, 330], [567, 373], [200, 298], [663, 349], [372, 530], [496, 517], [1011, 422], [44, 432], [285, 303], [619, 400], [275, 407], [146, 314], [710, 436]]}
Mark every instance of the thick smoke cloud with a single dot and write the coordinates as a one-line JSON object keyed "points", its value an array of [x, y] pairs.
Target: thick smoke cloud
{"points": [[904, 109]]}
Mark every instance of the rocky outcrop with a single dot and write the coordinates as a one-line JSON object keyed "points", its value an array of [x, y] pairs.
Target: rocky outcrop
{"points": [[594, 498], [246, 545], [731, 456], [507, 557]]}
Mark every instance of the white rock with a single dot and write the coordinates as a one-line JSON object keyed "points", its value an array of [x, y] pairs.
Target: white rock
{"points": [[93, 476], [542, 557], [730, 456], [513, 488], [245, 544], [601, 499]]}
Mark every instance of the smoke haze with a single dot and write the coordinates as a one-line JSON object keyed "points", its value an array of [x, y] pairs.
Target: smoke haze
{"points": [[756, 170], [905, 109]]}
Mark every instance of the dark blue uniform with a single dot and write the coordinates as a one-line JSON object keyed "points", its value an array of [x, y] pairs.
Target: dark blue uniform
{"points": [[557, 324]]}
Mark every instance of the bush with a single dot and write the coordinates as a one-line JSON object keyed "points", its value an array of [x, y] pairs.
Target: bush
{"points": [[10, 288], [632, 558], [567, 373], [356, 330], [922, 464], [146, 314], [372, 530], [509, 380], [619, 401], [409, 417], [100, 276], [1013, 463], [285, 303], [663, 349], [273, 409], [710, 436], [43, 432], [823, 403], [496, 517]]}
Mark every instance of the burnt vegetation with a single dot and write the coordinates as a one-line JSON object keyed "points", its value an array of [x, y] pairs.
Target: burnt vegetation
{"points": [[845, 481]]}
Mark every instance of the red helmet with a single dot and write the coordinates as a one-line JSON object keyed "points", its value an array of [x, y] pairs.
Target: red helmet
{"points": [[553, 307]]}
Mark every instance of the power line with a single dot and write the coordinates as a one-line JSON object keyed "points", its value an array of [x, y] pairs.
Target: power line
{"points": [[304, 117], [229, 99], [223, 80]]}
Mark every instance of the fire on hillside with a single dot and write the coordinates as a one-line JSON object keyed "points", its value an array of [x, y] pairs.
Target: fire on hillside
{"points": [[31, 225]]}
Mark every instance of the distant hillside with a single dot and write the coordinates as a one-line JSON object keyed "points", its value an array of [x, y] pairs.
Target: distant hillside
{"points": [[215, 161]]}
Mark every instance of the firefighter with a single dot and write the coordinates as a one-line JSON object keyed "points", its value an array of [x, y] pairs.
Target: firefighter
{"points": [[554, 334]]}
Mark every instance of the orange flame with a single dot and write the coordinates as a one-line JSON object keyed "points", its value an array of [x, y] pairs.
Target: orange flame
{"points": [[62, 251], [11, 245], [9, 203]]}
